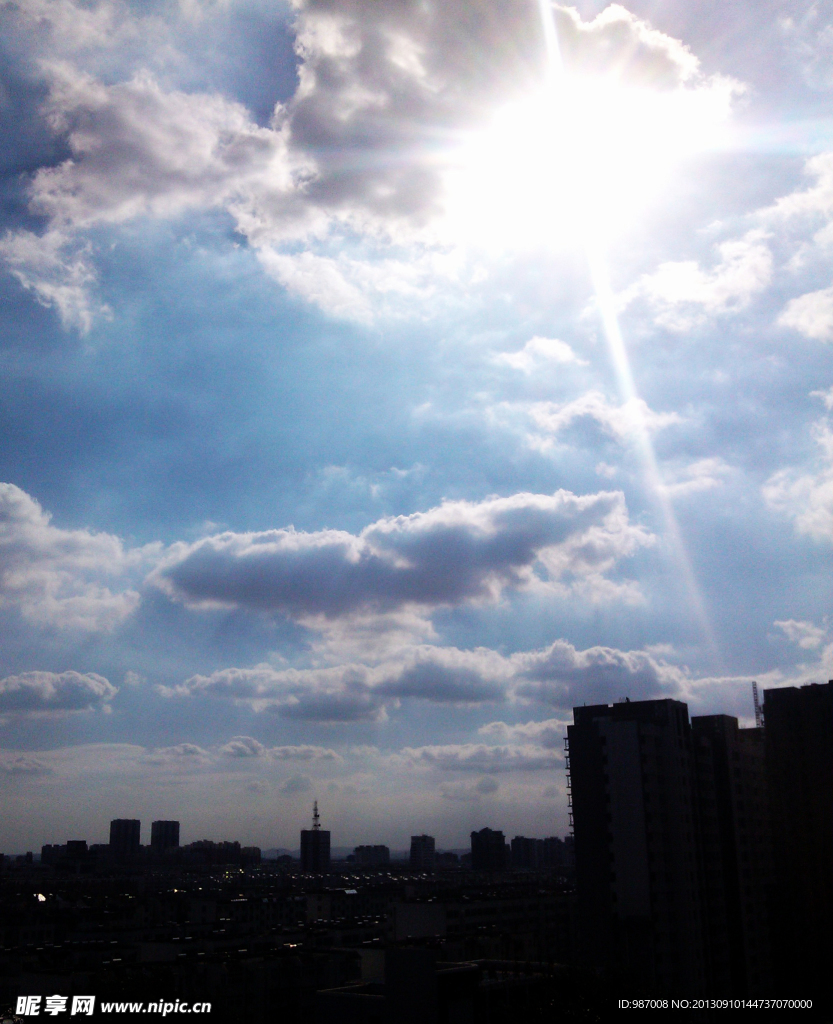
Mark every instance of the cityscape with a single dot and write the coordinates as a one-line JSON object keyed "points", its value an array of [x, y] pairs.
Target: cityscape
{"points": [[700, 861]]}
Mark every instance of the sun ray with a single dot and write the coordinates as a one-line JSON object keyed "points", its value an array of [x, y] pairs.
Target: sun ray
{"points": [[595, 249]]}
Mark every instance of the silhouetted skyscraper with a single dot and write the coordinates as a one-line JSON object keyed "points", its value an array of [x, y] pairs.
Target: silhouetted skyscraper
{"points": [[372, 856], [633, 803], [736, 853], [315, 846], [164, 835], [527, 854], [798, 722], [488, 851], [422, 853], [124, 838]]}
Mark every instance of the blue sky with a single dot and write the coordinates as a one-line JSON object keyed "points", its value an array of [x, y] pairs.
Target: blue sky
{"points": [[381, 380]]}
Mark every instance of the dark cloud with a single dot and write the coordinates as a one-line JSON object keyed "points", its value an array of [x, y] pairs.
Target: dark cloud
{"points": [[52, 691], [442, 684], [563, 677], [458, 552], [356, 703]]}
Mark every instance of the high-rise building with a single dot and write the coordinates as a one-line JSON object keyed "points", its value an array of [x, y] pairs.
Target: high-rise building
{"points": [[124, 838], [164, 835], [315, 846], [423, 852], [736, 853], [634, 817], [558, 853], [798, 722], [527, 854], [489, 851], [371, 856]]}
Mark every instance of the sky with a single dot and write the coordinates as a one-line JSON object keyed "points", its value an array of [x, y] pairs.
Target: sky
{"points": [[381, 380]]}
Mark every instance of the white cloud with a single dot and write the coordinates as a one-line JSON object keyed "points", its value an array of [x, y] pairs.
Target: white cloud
{"points": [[337, 694], [373, 80], [549, 733], [466, 793], [137, 150], [562, 677], [809, 35], [185, 755], [248, 747], [805, 634], [538, 351], [73, 26], [807, 497], [815, 201], [810, 315], [243, 746], [681, 295], [53, 691], [703, 475], [22, 764], [480, 757], [825, 396], [296, 784], [54, 576], [59, 273], [558, 676], [351, 692], [620, 422]]}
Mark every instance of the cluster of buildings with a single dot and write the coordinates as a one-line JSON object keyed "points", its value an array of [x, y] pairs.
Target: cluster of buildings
{"points": [[704, 851], [700, 863], [489, 852], [125, 849]]}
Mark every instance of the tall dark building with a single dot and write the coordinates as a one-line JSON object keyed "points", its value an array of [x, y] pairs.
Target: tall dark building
{"points": [[634, 816], [423, 852], [488, 851], [164, 835], [372, 856], [315, 846], [799, 762], [527, 854], [124, 838], [736, 854]]}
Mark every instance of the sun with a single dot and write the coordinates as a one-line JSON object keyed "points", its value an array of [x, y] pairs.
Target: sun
{"points": [[583, 155]]}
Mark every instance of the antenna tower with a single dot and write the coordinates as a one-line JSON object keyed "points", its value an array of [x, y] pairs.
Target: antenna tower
{"points": [[316, 821]]}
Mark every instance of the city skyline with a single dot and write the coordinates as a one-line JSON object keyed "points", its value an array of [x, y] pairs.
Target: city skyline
{"points": [[380, 382]]}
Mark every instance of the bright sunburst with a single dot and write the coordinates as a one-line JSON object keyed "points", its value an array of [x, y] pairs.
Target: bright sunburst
{"points": [[583, 154]]}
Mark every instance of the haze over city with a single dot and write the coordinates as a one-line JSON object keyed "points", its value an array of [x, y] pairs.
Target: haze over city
{"points": [[381, 381]]}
